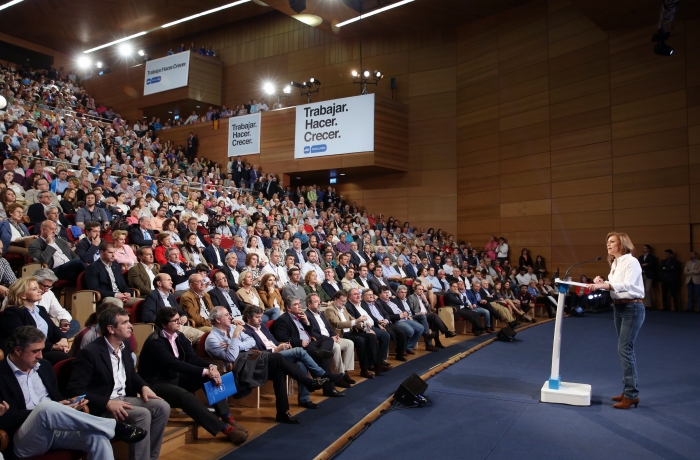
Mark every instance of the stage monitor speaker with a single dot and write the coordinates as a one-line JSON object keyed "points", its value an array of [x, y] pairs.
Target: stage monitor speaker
{"points": [[506, 334], [410, 392]]}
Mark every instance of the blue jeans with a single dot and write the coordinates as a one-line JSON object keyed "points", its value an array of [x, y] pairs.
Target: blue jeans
{"points": [[413, 331], [302, 359], [270, 315], [693, 291], [629, 318], [485, 313]]}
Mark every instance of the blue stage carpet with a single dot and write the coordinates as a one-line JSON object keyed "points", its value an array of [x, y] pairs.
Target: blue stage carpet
{"points": [[487, 405]]}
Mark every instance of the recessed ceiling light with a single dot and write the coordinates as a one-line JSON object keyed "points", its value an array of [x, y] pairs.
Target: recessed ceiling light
{"points": [[372, 13], [169, 111], [298, 177], [308, 19], [342, 174]]}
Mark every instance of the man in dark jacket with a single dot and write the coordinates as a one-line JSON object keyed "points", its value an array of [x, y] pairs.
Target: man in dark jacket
{"points": [[105, 276], [46, 419], [172, 368]]}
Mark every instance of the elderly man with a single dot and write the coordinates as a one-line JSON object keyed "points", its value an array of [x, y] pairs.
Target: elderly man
{"points": [[359, 309], [197, 303], [142, 274], [229, 338], [177, 270], [424, 314], [230, 269], [53, 214], [296, 251], [382, 321], [222, 296], [213, 254], [37, 211], [192, 227], [143, 236], [161, 297], [401, 317], [343, 349], [240, 253], [47, 249]]}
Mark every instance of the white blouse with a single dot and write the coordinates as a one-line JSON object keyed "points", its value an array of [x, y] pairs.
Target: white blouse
{"points": [[625, 278]]}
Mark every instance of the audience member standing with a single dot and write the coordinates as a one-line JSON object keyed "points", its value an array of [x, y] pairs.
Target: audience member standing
{"points": [[669, 268], [692, 280], [650, 268]]}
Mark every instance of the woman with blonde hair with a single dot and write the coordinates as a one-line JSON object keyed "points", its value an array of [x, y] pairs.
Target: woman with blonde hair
{"points": [[123, 254], [247, 292], [312, 286], [627, 291], [22, 310], [270, 296]]}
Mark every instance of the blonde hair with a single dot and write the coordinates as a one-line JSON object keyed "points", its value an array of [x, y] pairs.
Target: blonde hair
{"points": [[118, 233], [626, 245], [19, 289]]}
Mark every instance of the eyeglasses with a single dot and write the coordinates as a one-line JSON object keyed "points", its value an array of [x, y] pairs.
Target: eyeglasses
{"points": [[175, 320], [45, 287]]}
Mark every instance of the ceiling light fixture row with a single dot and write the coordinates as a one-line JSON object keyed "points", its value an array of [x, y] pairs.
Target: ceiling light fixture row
{"points": [[307, 88], [366, 78]]}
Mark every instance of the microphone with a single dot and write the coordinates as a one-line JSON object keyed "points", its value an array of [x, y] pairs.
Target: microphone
{"points": [[566, 275]]}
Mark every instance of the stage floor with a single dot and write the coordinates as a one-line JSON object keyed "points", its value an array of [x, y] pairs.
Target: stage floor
{"points": [[487, 405]]}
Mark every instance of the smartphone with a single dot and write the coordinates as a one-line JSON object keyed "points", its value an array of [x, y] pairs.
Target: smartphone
{"points": [[78, 399]]}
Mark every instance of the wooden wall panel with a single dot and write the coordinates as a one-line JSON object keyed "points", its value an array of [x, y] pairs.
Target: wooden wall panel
{"points": [[591, 132]]}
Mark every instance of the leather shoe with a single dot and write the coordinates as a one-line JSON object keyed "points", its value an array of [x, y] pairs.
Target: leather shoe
{"points": [[382, 368], [439, 345], [432, 348], [334, 394], [478, 332], [618, 398], [334, 377], [342, 383], [348, 379], [324, 354], [410, 352], [317, 383], [237, 437], [626, 403], [286, 417], [130, 434], [231, 421], [400, 358], [387, 365], [364, 373], [308, 405], [450, 334]]}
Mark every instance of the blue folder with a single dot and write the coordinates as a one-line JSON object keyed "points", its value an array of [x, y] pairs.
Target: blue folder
{"points": [[226, 389]]}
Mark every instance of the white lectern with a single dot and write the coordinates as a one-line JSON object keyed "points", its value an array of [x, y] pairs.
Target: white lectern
{"points": [[554, 390]]}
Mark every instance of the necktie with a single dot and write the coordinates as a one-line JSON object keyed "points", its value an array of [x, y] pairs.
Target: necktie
{"points": [[146, 235]]}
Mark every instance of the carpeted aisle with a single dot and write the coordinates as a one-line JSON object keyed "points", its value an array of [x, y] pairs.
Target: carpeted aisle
{"points": [[487, 405]]}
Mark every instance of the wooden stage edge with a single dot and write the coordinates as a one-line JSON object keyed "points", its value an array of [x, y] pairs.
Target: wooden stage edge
{"points": [[372, 416]]}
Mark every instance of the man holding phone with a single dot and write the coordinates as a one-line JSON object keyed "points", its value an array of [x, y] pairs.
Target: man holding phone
{"points": [[38, 418]]}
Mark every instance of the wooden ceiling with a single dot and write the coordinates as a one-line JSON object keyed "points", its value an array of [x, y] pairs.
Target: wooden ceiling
{"points": [[72, 26], [621, 14]]}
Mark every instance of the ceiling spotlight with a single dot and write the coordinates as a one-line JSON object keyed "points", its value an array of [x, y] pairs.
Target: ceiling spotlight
{"points": [[366, 73], [287, 89], [313, 81], [83, 62], [296, 85], [98, 64], [378, 75], [170, 111], [125, 50], [269, 88], [354, 73]]}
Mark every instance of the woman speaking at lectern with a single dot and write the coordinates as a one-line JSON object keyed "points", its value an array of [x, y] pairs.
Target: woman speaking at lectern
{"points": [[627, 291]]}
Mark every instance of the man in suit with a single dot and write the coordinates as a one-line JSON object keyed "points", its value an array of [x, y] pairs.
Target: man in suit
{"points": [[412, 269], [213, 253], [88, 247], [142, 274], [193, 227], [400, 317], [476, 298], [343, 349], [253, 174], [40, 416], [382, 320], [32, 195], [361, 277], [161, 297], [295, 250], [237, 170], [230, 269], [197, 303], [357, 331], [143, 236], [170, 365], [222, 296], [265, 341], [36, 211], [104, 372], [105, 277], [356, 307], [669, 268], [343, 265], [418, 304], [177, 270], [47, 249], [330, 285], [379, 281], [650, 271], [192, 146], [228, 339]]}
